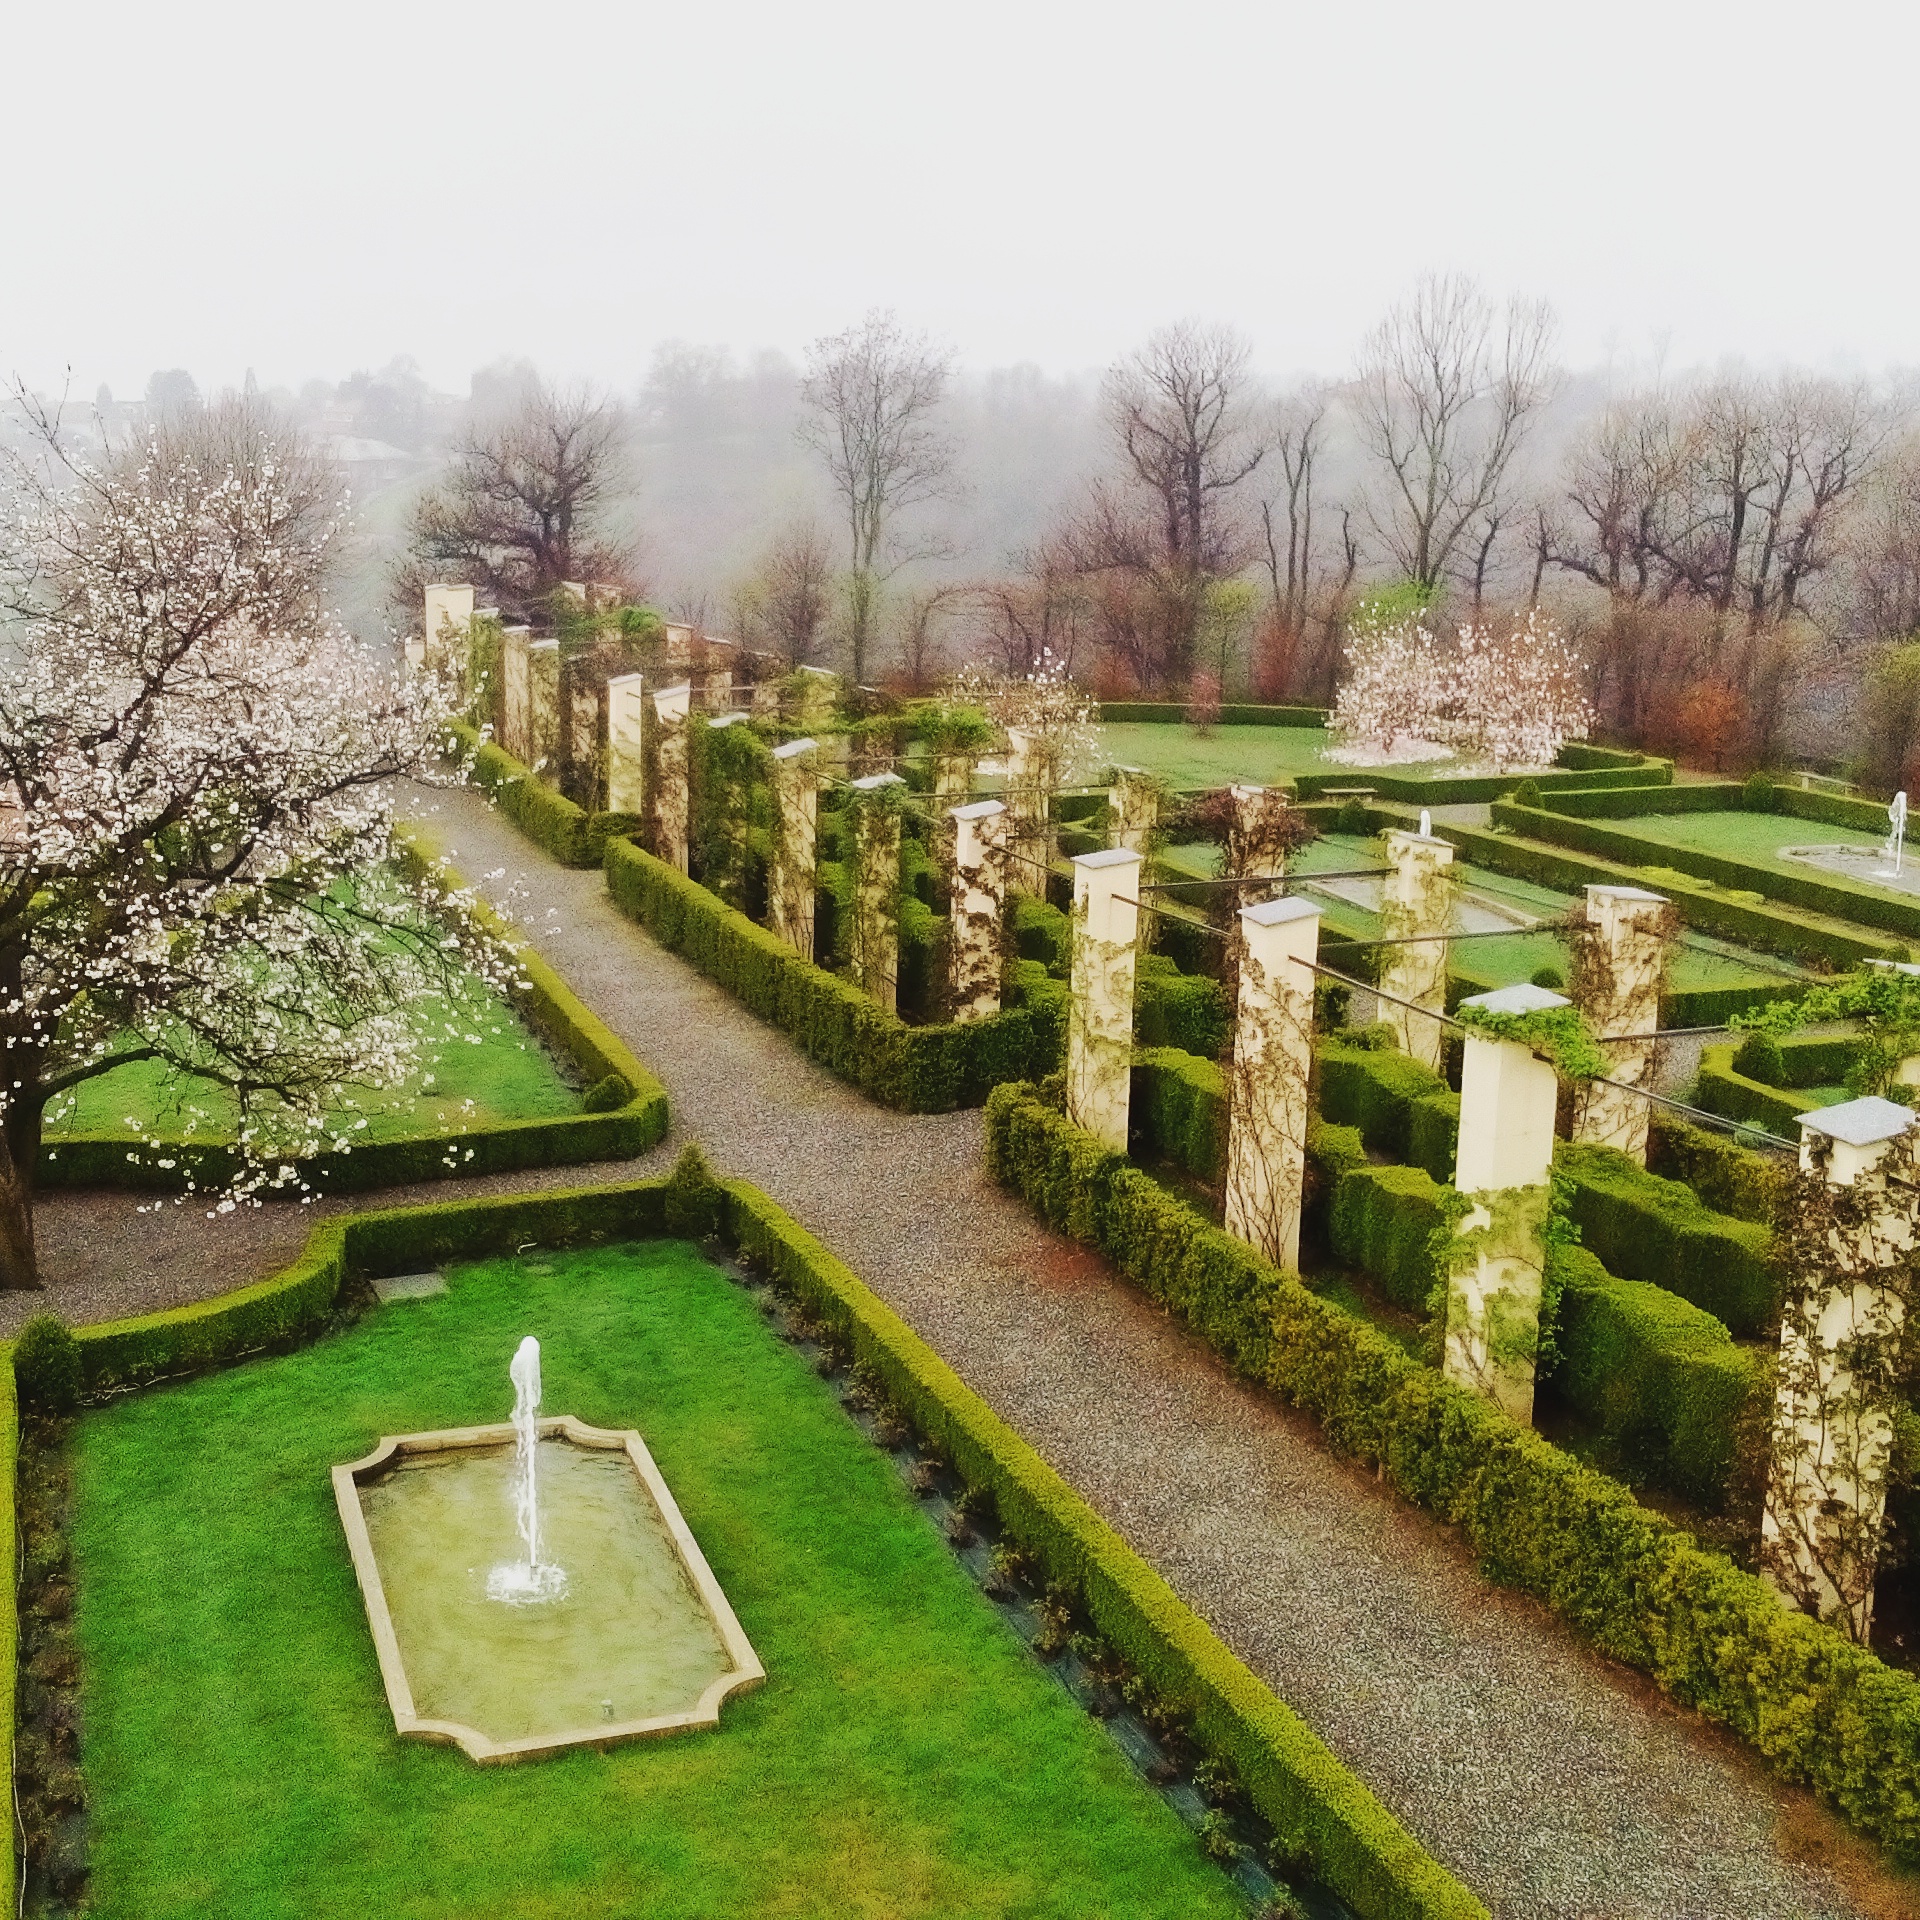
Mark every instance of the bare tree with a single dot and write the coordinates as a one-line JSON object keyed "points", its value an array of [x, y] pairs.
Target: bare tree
{"points": [[872, 397], [919, 650], [783, 608], [526, 506], [1298, 431], [1154, 538], [1881, 593], [1443, 401]]}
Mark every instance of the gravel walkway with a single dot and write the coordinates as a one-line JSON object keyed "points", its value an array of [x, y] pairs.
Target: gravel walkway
{"points": [[1560, 1786]]}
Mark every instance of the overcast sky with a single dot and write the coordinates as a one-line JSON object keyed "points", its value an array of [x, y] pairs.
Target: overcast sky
{"points": [[307, 190]]}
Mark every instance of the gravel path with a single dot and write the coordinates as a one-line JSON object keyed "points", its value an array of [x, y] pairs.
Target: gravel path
{"points": [[1559, 1786]]}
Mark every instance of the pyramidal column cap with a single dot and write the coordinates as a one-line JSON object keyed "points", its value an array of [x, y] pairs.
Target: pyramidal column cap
{"points": [[1861, 1123], [1276, 913], [1524, 998], [977, 810], [794, 748], [873, 782], [1108, 857], [725, 719]]}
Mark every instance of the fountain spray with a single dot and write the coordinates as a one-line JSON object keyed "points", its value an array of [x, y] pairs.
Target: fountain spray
{"points": [[514, 1581]]}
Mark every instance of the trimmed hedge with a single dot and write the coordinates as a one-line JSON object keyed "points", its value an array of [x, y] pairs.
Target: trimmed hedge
{"points": [[1773, 928], [1289, 1776], [1838, 898], [1622, 803], [620, 1132], [1819, 1709], [1645, 1228], [1727, 1177], [9, 1618], [1173, 712], [1660, 1376], [1175, 1009], [915, 1069], [1402, 1109], [1178, 1112], [1440, 789], [547, 818], [1831, 809], [1722, 1088]]}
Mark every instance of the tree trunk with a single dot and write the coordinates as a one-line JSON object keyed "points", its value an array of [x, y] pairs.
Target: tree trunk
{"points": [[18, 1266]]}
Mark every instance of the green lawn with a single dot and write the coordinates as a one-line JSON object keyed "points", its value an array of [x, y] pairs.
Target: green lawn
{"points": [[1757, 837], [1507, 958], [906, 1756], [1259, 755], [504, 1073]]}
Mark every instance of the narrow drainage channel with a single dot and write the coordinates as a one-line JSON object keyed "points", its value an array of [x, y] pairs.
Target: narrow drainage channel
{"points": [[1201, 1791]]}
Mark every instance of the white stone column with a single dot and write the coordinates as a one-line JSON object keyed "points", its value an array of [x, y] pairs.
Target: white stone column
{"points": [[1028, 840], [1416, 905], [978, 885], [676, 646], [1133, 809], [819, 694], [1106, 926], [543, 708], [874, 806], [516, 692], [671, 709], [1840, 1330], [1503, 1166], [1620, 961], [626, 744], [1272, 1065], [717, 689], [1257, 838], [446, 618], [793, 875]]}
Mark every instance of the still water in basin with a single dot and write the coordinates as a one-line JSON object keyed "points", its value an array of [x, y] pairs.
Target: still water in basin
{"points": [[627, 1640]]}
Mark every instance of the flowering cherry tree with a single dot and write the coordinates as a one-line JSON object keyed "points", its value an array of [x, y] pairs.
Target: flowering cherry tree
{"points": [[196, 768], [1508, 698]]}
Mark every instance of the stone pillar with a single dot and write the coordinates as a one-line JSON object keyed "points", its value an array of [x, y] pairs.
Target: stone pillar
{"points": [[819, 694], [671, 708], [1416, 905], [1257, 836], [978, 884], [446, 617], [543, 707], [516, 693], [717, 690], [1620, 960], [1106, 924], [626, 744], [1504, 1162], [952, 784], [582, 763], [766, 700], [676, 646], [1133, 807], [1835, 1392], [1272, 1065], [790, 883], [875, 807], [1028, 839]]}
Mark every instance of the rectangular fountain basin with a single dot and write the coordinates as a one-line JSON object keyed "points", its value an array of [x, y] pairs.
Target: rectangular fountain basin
{"points": [[642, 1641]]}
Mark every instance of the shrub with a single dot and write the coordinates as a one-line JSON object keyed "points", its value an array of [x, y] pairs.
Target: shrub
{"points": [[46, 1365], [1642, 1227], [692, 1197], [1175, 1009], [1179, 1112], [1760, 1058], [1758, 794], [1528, 794], [606, 1095], [1550, 977]]}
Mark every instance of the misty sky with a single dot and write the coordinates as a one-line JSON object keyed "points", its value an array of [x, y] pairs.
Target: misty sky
{"points": [[305, 190]]}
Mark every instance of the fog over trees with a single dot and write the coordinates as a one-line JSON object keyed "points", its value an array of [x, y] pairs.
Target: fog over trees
{"points": [[1733, 550]]}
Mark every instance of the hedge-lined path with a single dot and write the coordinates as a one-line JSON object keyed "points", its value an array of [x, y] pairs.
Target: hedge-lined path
{"points": [[1553, 1782]]}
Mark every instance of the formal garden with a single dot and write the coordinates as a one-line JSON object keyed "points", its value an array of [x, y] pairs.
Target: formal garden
{"points": [[595, 1547]]}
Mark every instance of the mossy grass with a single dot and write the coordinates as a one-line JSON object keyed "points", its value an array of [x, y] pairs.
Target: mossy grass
{"points": [[906, 1757]]}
